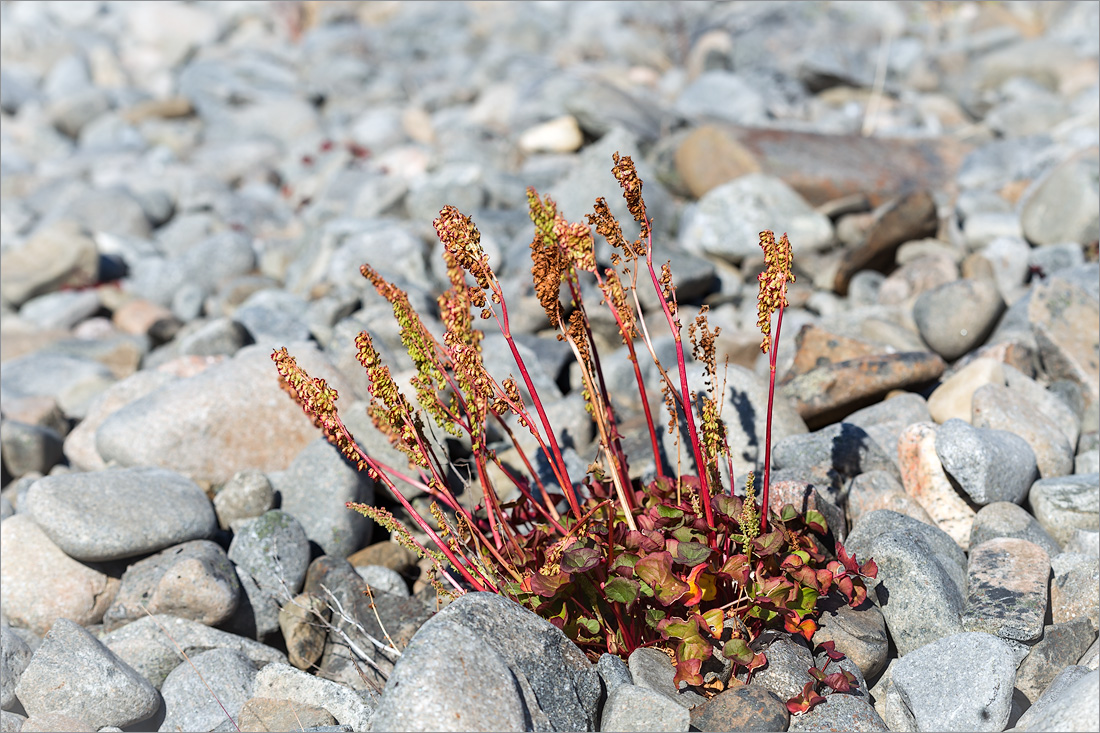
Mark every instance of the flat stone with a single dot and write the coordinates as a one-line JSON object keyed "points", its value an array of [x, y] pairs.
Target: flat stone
{"points": [[745, 707], [303, 632], [815, 346], [120, 513], [840, 712], [1059, 648], [201, 693], [1073, 706], [1065, 504], [961, 682], [59, 254], [74, 674], [635, 708], [42, 584], [282, 682], [71, 381], [989, 465], [924, 479], [152, 645], [912, 216], [1005, 519], [1007, 589], [996, 406], [952, 399], [192, 580], [1066, 321], [859, 633], [958, 316], [262, 714], [827, 393], [204, 426]]}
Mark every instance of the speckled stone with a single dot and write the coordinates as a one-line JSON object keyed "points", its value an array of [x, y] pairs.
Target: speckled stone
{"points": [[1007, 590], [989, 465], [953, 397], [996, 406], [1061, 646], [1066, 323], [746, 707], [925, 480], [1005, 519]]}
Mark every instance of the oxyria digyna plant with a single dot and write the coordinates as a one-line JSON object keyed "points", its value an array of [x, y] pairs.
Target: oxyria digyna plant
{"points": [[678, 562]]}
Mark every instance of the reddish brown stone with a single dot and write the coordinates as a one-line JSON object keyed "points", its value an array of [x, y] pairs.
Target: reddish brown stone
{"points": [[710, 156], [912, 216], [741, 708], [924, 479], [830, 392], [817, 347], [387, 554]]}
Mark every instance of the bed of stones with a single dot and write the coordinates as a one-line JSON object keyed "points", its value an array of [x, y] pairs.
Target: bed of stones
{"points": [[187, 186]]}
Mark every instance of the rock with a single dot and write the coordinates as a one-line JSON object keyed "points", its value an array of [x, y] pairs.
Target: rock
{"points": [[119, 513], [881, 490], [952, 399], [1059, 648], [912, 216], [204, 426], [1072, 707], [74, 674], [961, 682], [651, 669], [192, 580], [559, 135], [729, 218], [787, 670], [152, 645], [1007, 590], [202, 693], [635, 708], [274, 550], [834, 454], [1065, 320], [217, 337], [1058, 207], [554, 686], [16, 657], [709, 156], [998, 407], [1005, 519], [958, 316], [1071, 596], [54, 722], [282, 682], [60, 310], [924, 479], [840, 712], [859, 633], [921, 583], [828, 393], [383, 580], [387, 554], [58, 255], [989, 465], [1065, 504], [746, 707], [804, 496], [1055, 406], [29, 448], [72, 382], [315, 489], [245, 496], [613, 672], [303, 632], [262, 714], [42, 584]]}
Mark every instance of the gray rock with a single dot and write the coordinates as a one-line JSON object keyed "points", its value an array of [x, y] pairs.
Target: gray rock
{"points": [[652, 669], [832, 455], [119, 513], [1087, 462], [1061, 647], [200, 694], [728, 219], [956, 317], [921, 582], [245, 496], [1047, 403], [635, 708], [73, 383], [1059, 207], [1071, 593], [1073, 706], [16, 657], [787, 670], [213, 338], [192, 580], [152, 645], [457, 184], [996, 406], [1005, 519], [283, 682], [314, 490], [613, 672], [530, 676], [742, 707], [990, 465], [1065, 504], [840, 712], [960, 682], [703, 99], [1007, 591], [29, 448], [274, 550], [1051, 694], [383, 580], [11, 722], [201, 267], [58, 254], [74, 674], [859, 633], [1051, 258], [273, 318], [64, 309]]}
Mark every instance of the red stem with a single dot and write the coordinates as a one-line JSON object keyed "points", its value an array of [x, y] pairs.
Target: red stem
{"points": [[768, 435]]}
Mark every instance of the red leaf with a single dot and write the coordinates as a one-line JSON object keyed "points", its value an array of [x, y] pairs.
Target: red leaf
{"points": [[803, 702], [869, 569], [687, 670], [656, 570], [806, 627], [838, 681], [847, 561], [830, 649]]}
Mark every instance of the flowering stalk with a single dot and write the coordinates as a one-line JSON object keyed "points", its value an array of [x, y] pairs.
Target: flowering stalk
{"points": [[773, 297]]}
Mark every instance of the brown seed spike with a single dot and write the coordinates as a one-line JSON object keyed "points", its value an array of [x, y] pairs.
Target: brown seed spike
{"points": [[773, 283]]}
